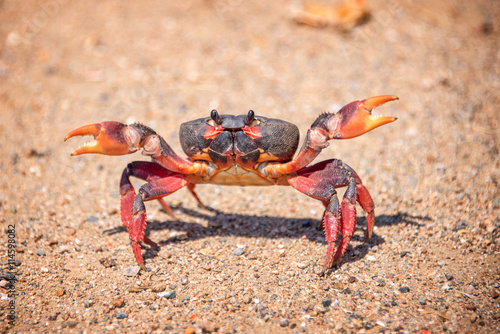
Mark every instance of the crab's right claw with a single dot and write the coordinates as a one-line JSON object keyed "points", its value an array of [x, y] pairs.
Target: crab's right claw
{"points": [[111, 138], [355, 118]]}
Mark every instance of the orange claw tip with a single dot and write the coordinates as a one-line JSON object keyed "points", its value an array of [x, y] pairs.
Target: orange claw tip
{"points": [[376, 101], [91, 129]]}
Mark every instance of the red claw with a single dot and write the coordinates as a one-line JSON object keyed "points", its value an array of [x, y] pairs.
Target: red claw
{"points": [[110, 138], [356, 118]]}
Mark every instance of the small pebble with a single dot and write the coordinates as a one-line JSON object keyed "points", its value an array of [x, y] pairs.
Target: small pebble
{"points": [[446, 287], [160, 287], [92, 219], [302, 265], [69, 232], [121, 315], [131, 271], [69, 324], [381, 282], [41, 253], [470, 306], [168, 295], [495, 204], [461, 224], [4, 284], [107, 262], [404, 289], [326, 302], [448, 277], [238, 251], [153, 306], [403, 253], [338, 285], [88, 304], [494, 294], [284, 322], [422, 301], [60, 292], [117, 302], [352, 279]]}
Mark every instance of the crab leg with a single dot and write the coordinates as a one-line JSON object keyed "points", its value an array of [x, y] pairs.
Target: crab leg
{"points": [[365, 201], [147, 171], [319, 181], [114, 138], [144, 170], [353, 120], [154, 189]]}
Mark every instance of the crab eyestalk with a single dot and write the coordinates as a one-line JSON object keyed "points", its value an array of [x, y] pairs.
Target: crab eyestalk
{"points": [[356, 119], [111, 138]]}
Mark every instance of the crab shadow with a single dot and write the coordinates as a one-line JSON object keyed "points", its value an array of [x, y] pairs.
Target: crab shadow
{"points": [[220, 224]]}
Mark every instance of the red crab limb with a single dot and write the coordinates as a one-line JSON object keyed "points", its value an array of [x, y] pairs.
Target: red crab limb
{"points": [[195, 195], [144, 170], [353, 120], [365, 201], [114, 138], [147, 171], [319, 181], [154, 189]]}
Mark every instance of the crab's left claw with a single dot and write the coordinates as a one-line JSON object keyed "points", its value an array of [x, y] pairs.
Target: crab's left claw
{"points": [[111, 138], [356, 118]]}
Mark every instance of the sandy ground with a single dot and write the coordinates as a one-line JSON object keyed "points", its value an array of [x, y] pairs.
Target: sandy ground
{"points": [[432, 265]]}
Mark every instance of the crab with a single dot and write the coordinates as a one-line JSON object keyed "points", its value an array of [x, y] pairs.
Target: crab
{"points": [[243, 150]]}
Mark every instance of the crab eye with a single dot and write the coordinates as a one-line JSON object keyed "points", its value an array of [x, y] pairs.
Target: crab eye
{"points": [[250, 119], [216, 119]]}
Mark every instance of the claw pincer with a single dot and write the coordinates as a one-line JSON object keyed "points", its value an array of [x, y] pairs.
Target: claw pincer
{"points": [[111, 138], [355, 118]]}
